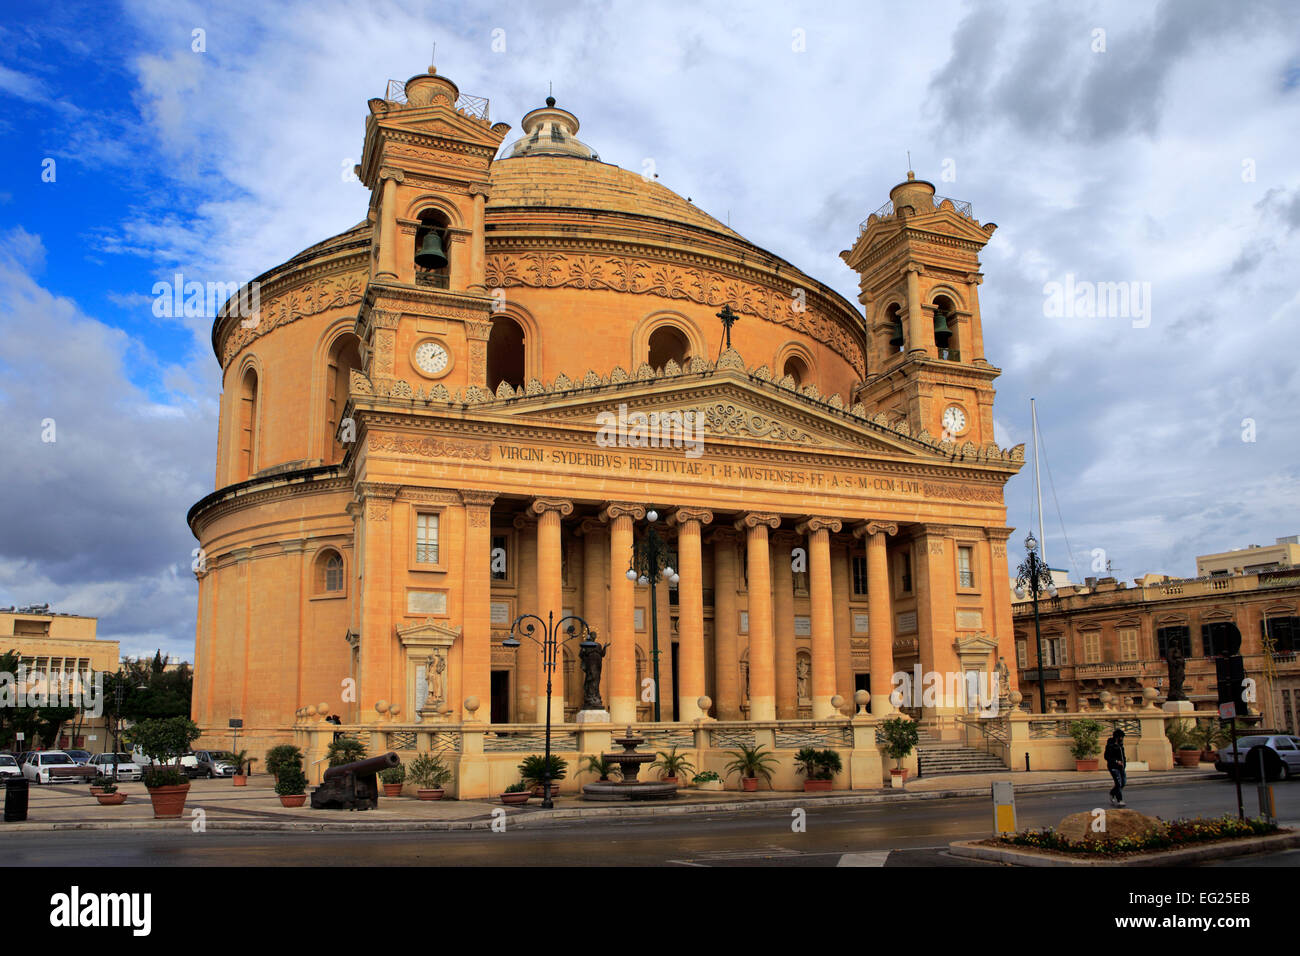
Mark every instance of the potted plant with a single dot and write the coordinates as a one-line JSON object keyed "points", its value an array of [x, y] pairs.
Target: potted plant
{"points": [[96, 786], [708, 780], [750, 763], [1186, 748], [532, 771], [163, 740], [601, 767], [243, 767], [430, 775], [1086, 743], [1209, 736], [901, 737], [516, 794], [392, 779], [280, 757], [108, 794], [671, 765], [291, 785], [344, 750], [819, 768]]}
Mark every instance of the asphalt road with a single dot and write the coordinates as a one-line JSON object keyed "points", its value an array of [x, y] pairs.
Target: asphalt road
{"points": [[874, 835]]}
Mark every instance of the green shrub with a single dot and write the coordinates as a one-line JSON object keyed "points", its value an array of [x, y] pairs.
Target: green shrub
{"points": [[519, 787], [345, 750], [164, 740], [1086, 735], [291, 781], [393, 774], [670, 763], [533, 766], [708, 776], [429, 772], [901, 736], [282, 756], [751, 762]]}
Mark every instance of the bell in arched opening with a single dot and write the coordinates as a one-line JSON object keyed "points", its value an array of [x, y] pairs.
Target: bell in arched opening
{"points": [[942, 334], [896, 341], [431, 253]]}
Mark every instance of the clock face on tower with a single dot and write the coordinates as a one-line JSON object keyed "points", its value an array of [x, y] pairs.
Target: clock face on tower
{"points": [[954, 420], [432, 358]]}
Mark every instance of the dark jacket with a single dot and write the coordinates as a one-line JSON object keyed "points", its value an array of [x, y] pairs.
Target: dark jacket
{"points": [[1115, 754]]}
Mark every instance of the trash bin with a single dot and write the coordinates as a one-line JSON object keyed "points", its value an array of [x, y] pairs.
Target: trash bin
{"points": [[15, 800]]}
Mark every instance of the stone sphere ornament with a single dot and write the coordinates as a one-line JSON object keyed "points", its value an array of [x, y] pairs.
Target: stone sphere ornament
{"points": [[862, 698], [471, 705], [704, 703], [311, 710], [837, 701], [381, 706], [322, 709]]}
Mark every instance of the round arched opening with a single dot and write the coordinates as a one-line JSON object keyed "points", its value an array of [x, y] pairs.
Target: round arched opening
{"points": [[505, 354], [344, 356], [432, 251], [945, 329], [668, 342], [797, 369]]}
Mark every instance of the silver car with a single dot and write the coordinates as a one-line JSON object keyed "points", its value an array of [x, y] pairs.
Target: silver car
{"points": [[127, 769], [9, 766], [1285, 746]]}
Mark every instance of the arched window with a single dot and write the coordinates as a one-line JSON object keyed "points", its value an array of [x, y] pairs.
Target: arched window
{"points": [[344, 356], [895, 327], [432, 251], [945, 329], [668, 342], [505, 353], [329, 572], [797, 369], [246, 438]]}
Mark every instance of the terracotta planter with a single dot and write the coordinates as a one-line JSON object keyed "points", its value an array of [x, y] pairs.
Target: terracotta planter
{"points": [[1209, 756], [168, 802], [672, 780], [293, 799], [818, 786], [1188, 758], [539, 791], [111, 799], [241, 780], [435, 793], [897, 777], [96, 790], [749, 784], [1085, 765], [898, 772], [393, 789], [515, 799]]}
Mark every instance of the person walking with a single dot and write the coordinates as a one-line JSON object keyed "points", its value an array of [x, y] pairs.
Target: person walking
{"points": [[1116, 762]]}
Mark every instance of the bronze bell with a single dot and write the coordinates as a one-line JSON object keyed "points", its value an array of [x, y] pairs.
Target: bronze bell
{"points": [[897, 340], [941, 331], [431, 254]]}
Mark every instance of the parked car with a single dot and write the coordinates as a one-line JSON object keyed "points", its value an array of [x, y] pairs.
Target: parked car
{"points": [[188, 763], [127, 769], [79, 756], [52, 766], [214, 763], [9, 766], [1285, 746]]}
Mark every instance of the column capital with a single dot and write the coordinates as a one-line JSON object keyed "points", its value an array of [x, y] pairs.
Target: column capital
{"points": [[874, 527], [723, 535], [932, 531], [375, 489], [475, 497], [682, 515], [622, 509], [999, 534], [541, 506], [523, 522], [590, 526], [755, 518], [388, 172], [480, 189], [916, 267], [818, 523]]}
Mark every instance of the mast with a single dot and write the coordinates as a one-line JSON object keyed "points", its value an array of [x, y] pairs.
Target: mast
{"points": [[1038, 488]]}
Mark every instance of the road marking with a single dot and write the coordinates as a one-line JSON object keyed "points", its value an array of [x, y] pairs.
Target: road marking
{"points": [[689, 863], [874, 858]]}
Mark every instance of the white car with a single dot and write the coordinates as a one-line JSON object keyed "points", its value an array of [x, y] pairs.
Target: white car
{"points": [[127, 769], [9, 766], [46, 766]]}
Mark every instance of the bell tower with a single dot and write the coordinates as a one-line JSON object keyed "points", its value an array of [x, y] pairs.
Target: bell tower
{"points": [[917, 259], [426, 314]]}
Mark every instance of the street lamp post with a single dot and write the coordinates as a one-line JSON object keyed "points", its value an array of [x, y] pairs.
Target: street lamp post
{"points": [[649, 561], [1035, 577], [550, 644]]}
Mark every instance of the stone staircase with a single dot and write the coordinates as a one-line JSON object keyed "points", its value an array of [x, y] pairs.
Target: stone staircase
{"points": [[939, 758]]}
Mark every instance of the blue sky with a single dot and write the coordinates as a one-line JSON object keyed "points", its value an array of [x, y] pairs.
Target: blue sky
{"points": [[1166, 158]]}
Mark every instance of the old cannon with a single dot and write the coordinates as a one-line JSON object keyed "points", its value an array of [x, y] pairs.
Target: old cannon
{"points": [[352, 786]]}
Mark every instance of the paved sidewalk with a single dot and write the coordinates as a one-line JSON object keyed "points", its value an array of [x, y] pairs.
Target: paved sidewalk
{"points": [[256, 807]]}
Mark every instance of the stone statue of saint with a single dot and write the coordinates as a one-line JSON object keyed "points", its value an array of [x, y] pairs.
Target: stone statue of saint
{"points": [[1177, 669], [592, 659], [433, 670], [1004, 678], [802, 672]]}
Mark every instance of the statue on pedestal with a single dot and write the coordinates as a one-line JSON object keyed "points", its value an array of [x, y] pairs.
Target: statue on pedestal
{"points": [[1177, 670], [434, 666], [592, 660]]}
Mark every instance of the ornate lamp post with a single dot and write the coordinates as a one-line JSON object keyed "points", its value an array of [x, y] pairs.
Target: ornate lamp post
{"points": [[649, 561], [1035, 578], [550, 643]]}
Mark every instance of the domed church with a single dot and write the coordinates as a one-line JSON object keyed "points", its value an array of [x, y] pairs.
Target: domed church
{"points": [[533, 383]]}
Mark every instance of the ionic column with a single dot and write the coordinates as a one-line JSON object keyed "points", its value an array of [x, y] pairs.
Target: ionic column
{"points": [[595, 587], [823, 612], [527, 664], [476, 603], [690, 609], [762, 676], [920, 338], [787, 682], [621, 657], [550, 597], [880, 623], [726, 652], [387, 268], [842, 587]]}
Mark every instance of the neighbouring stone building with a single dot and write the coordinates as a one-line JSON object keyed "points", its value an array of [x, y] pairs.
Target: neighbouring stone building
{"points": [[1104, 635], [413, 454]]}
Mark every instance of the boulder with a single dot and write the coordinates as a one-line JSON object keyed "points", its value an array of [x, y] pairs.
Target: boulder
{"points": [[1078, 827]]}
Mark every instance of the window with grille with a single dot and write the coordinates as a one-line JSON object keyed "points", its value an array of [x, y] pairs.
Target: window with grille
{"points": [[426, 539], [859, 575], [334, 573], [964, 573], [1128, 643]]}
